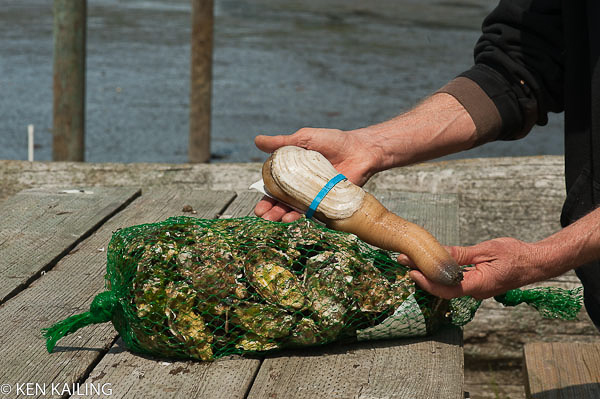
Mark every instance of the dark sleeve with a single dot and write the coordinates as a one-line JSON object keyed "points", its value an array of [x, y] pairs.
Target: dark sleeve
{"points": [[519, 67]]}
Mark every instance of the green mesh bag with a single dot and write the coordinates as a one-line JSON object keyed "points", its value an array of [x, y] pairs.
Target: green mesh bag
{"points": [[206, 288]]}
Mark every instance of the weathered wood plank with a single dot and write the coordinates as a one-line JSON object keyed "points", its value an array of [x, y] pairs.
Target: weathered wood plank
{"points": [[39, 226], [409, 368], [131, 375], [562, 370], [243, 205], [69, 287], [224, 378], [430, 367], [495, 381], [437, 213]]}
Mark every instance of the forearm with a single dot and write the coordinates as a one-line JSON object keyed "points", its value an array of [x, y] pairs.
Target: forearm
{"points": [[571, 247], [438, 126]]}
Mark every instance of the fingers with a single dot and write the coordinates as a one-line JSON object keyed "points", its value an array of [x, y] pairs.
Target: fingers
{"points": [[281, 213], [269, 209], [460, 254], [276, 212], [301, 138], [269, 144], [406, 261], [468, 255], [473, 284], [291, 216], [264, 205], [440, 290]]}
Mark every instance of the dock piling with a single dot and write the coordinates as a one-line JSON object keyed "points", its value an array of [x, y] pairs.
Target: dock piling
{"points": [[30, 142], [68, 115], [200, 80]]}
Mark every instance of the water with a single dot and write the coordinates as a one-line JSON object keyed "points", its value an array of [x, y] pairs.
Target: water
{"points": [[278, 66]]}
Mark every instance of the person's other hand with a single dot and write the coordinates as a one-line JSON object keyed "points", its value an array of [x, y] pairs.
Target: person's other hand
{"points": [[498, 265], [347, 151]]}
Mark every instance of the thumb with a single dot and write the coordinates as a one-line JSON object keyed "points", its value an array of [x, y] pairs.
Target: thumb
{"points": [[269, 144], [464, 255]]}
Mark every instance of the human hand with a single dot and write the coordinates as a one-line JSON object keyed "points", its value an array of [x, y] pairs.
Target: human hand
{"points": [[348, 152], [498, 265]]}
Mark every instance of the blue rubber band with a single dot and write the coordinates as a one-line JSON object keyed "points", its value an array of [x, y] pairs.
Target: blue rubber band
{"points": [[315, 203]]}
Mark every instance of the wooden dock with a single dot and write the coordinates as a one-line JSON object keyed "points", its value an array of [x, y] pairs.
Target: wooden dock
{"points": [[562, 370], [52, 263], [517, 197]]}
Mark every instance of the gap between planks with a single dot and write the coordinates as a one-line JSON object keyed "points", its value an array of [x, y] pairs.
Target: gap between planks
{"points": [[41, 226]]}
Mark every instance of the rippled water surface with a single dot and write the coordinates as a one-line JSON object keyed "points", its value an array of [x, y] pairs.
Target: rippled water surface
{"points": [[278, 66]]}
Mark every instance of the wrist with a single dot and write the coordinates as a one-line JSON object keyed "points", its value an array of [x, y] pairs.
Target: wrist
{"points": [[573, 246], [555, 255], [544, 260], [372, 154]]}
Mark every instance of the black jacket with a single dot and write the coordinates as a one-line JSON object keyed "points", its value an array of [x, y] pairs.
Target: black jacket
{"points": [[535, 57]]}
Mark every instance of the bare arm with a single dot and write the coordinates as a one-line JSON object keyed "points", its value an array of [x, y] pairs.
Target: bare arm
{"points": [[438, 126]]}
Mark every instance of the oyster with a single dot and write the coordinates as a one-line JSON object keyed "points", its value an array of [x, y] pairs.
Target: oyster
{"points": [[327, 294], [259, 232], [151, 340], [370, 289], [350, 278], [402, 288], [256, 343], [305, 333], [171, 306], [303, 232], [150, 298], [212, 266], [204, 289], [267, 273], [189, 328], [328, 313], [341, 261], [263, 320]]}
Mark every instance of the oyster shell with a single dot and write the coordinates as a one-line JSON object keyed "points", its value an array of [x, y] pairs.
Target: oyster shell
{"points": [[150, 299], [303, 232], [301, 174], [402, 288], [212, 265], [305, 333], [264, 320], [203, 289], [252, 342], [189, 328], [267, 273], [326, 291], [370, 289]]}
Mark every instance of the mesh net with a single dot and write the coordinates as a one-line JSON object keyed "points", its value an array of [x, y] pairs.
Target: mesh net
{"points": [[206, 288]]}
